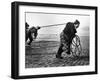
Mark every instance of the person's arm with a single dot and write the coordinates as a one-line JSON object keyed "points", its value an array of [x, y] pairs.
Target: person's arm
{"points": [[63, 38], [35, 34]]}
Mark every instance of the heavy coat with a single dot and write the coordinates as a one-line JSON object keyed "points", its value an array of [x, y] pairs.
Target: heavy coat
{"points": [[66, 37], [29, 33], [69, 30]]}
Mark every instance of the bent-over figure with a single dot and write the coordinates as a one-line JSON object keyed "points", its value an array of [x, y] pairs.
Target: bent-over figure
{"points": [[66, 37], [32, 31]]}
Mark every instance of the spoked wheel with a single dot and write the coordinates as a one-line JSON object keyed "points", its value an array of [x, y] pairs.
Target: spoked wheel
{"points": [[76, 48]]}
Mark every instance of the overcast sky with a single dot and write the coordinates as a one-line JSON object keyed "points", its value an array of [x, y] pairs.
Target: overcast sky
{"points": [[41, 19]]}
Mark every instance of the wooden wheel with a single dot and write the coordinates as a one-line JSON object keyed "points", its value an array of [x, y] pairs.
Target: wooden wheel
{"points": [[75, 46]]}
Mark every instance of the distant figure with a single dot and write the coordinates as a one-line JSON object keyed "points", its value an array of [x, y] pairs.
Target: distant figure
{"points": [[26, 30], [32, 31], [26, 25], [66, 37]]}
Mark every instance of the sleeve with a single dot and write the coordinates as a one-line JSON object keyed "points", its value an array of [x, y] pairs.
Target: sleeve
{"points": [[63, 38]]}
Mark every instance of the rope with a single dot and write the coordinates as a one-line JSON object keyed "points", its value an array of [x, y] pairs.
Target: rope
{"points": [[52, 25]]}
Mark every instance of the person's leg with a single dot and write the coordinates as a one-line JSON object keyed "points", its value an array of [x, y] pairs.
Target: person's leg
{"points": [[26, 38], [26, 35], [68, 52], [60, 50], [69, 43], [35, 35]]}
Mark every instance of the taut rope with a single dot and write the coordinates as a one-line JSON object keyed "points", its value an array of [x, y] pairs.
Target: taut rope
{"points": [[52, 25]]}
